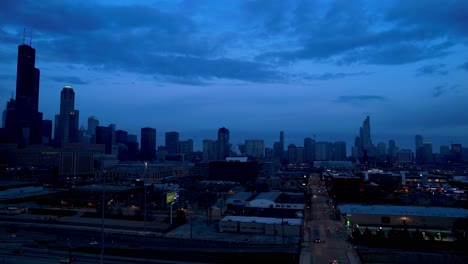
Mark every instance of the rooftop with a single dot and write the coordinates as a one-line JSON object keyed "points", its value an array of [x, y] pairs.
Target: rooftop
{"points": [[403, 210]]}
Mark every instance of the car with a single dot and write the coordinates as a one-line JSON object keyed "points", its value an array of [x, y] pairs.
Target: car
{"points": [[317, 240], [93, 243], [334, 261], [68, 259]]}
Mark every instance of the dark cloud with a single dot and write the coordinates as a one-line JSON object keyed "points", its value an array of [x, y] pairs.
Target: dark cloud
{"points": [[464, 66], [66, 80], [440, 90], [439, 16], [352, 32], [333, 76], [433, 69], [358, 99]]}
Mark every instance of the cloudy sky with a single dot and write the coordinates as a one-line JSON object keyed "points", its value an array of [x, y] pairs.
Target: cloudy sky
{"points": [[310, 67]]}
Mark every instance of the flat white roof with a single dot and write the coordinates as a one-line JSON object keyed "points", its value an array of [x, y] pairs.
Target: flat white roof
{"points": [[403, 210], [263, 220]]}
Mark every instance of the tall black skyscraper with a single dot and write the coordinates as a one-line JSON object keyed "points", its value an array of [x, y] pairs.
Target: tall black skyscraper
{"points": [[171, 142], [148, 144], [68, 119], [23, 121], [224, 148]]}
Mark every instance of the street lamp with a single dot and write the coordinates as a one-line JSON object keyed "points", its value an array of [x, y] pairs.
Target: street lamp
{"points": [[102, 215]]}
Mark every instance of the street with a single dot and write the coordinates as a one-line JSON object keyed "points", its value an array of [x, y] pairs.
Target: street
{"points": [[325, 237]]}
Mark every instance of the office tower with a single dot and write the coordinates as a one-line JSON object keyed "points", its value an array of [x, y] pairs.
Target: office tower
{"points": [[68, 120], [255, 148], [121, 136], [323, 150], [339, 151], [365, 137], [224, 148], [281, 144], [210, 150], [381, 149], [419, 148], [148, 144], [93, 122], [404, 156], [171, 142], [184, 146], [309, 150], [46, 132], [133, 147], [457, 152], [295, 154], [104, 136], [427, 152], [23, 121], [392, 148]]}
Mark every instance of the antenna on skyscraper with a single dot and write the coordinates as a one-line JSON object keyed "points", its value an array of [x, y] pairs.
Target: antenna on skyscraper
{"points": [[24, 35], [30, 38]]}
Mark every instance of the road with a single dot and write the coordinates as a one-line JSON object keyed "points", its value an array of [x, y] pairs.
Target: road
{"points": [[325, 237]]}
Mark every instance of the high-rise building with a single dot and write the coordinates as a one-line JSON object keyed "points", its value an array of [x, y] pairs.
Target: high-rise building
{"points": [[184, 146], [392, 149], [255, 148], [365, 136], [93, 122], [23, 121], [404, 156], [339, 151], [323, 150], [148, 144], [210, 150], [68, 120], [457, 152], [171, 142], [46, 132], [104, 136], [295, 154], [427, 152], [224, 148], [282, 143], [309, 150]]}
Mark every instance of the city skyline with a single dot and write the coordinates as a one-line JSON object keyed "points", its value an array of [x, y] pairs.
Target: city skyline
{"points": [[176, 66]]}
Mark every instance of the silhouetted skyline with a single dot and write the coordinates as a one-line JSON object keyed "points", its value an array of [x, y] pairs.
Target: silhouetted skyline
{"points": [[305, 67]]}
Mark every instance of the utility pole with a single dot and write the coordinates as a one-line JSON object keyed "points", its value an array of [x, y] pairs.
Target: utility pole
{"points": [[102, 215]]}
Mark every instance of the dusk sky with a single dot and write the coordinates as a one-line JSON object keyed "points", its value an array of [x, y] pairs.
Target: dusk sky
{"points": [[311, 67]]}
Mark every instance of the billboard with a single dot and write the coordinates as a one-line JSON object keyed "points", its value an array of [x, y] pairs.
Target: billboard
{"points": [[171, 197]]}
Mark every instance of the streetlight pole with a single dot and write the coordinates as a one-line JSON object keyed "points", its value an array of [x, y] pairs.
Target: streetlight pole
{"points": [[102, 215], [144, 184]]}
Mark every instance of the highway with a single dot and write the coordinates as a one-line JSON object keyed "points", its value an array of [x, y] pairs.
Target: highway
{"points": [[325, 237]]}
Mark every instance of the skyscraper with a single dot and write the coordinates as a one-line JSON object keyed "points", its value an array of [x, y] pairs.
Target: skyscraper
{"points": [[23, 121], [309, 150], [104, 136], [366, 136], [67, 129], [93, 122], [255, 148], [224, 148], [171, 142], [339, 151], [210, 150], [148, 144]]}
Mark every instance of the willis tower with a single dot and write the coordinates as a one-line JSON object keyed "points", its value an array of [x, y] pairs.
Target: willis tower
{"points": [[23, 121]]}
